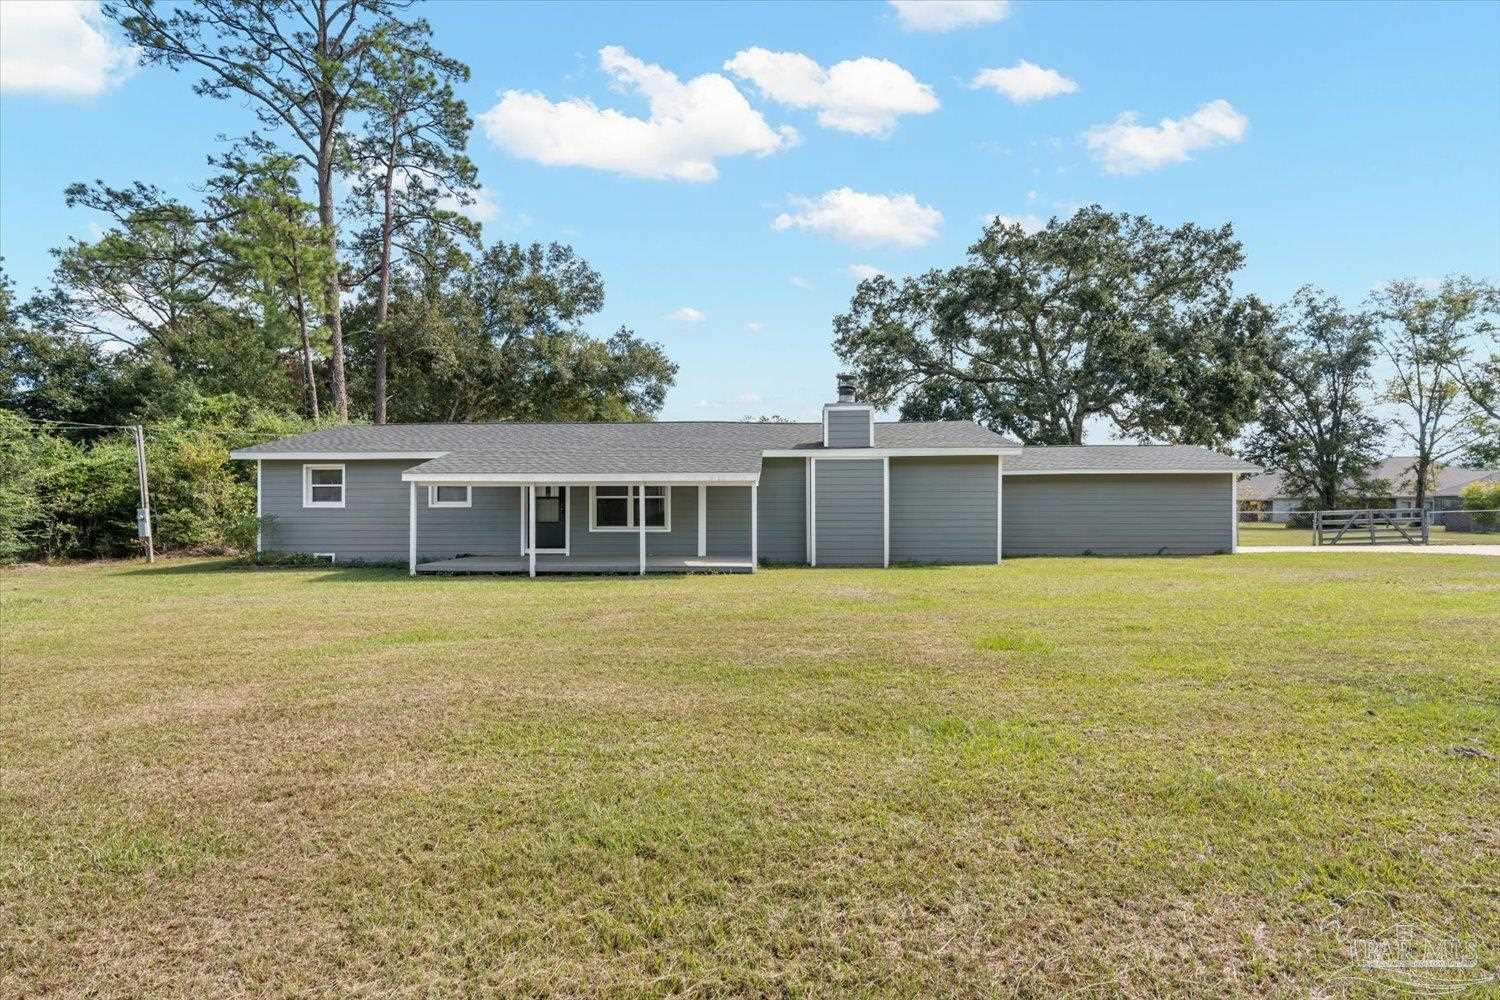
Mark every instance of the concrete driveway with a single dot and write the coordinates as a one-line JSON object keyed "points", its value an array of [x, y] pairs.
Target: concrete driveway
{"points": [[1425, 550]]}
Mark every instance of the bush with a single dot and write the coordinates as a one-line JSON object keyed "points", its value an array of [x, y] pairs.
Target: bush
{"points": [[1484, 499]]}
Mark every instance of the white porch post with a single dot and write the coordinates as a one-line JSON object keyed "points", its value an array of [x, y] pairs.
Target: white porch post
{"points": [[640, 516], [702, 521], [521, 515], [999, 506], [1234, 512], [411, 534], [531, 531], [754, 528], [885, 510], [812, 511], [258, 512]]}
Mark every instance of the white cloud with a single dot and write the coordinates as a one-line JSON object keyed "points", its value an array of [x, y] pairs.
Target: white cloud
{"points": [[1031, 196], [690, 125], [797, 281], [864, 220], [946, 15], [1124, 146], [60, 48], [747, 397], [859, 272], [1028, 222], [864, 95], [754, 327], [686, 314], [1024, 82], [484, 207]]}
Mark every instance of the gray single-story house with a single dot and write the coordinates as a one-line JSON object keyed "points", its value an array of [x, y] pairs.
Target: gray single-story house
{"points": [[719, 496]]}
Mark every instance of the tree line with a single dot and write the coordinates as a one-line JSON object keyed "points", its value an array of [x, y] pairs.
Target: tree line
{"points": [[1106, 321], [325, 271]]}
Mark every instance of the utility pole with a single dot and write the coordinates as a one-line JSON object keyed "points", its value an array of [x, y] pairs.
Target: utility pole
{"points": [[143, 515]]}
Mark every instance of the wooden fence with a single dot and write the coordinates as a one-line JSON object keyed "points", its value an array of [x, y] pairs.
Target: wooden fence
{"points": [[1371, 527]]}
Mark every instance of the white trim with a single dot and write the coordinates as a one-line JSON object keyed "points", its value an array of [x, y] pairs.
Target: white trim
{"points": [[1234, 512], [885, 511], [754, 527], [702, 521], [1121, 472], [999, 510], [531, 527], [307, 500], [567, 528], [258, 513], [630, 508], [433, 501], [331, 456], [891, 452], [332, 557], [520, 479], [411, 533], [521, 515], [812, 511]]}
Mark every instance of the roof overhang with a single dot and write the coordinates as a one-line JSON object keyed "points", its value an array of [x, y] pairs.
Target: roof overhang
{"points": [[336, 456], [889, 452], [576, 479], [1125, 472]]}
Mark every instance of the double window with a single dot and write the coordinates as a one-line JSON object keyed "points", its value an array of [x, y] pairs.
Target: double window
{"points": [[450, 496], [623, 508], [323, 486]]}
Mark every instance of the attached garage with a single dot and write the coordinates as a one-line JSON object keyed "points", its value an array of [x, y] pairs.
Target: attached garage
{"points": [[1120, 500]]}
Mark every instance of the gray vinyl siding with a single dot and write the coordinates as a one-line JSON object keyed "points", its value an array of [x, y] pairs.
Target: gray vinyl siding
{"points": [[373, 523], [850, 512], [849, 428], [943, 510], [782, 519], [682, 540], [1117, 515], [729, 521]]}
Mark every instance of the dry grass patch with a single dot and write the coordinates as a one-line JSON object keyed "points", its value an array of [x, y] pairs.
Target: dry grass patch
{"points": [[1134, 777]]}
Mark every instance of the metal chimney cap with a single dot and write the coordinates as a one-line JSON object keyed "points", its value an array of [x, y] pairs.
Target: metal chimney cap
{"points": [[848, 388]]}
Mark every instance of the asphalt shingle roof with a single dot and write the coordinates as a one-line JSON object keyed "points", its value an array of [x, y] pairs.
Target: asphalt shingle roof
{"points": [[608, 448], [1105, 458]]}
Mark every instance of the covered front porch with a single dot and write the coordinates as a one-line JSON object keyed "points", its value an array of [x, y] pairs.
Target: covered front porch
{"points": [[578, 523], [548, 562]]}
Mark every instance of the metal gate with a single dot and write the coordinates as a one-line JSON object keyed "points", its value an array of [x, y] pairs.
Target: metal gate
{"points": [[1370, 527]]}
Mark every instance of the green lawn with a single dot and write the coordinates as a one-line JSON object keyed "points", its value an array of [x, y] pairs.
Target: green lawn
{"points": [[1280, 534], [1141, 777]]}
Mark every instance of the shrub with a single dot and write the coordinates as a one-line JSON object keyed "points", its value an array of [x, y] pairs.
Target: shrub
{"points": [[1484, 499]]}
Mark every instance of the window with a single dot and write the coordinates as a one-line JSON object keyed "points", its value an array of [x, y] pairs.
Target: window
{"points": [[450, 496], [323, 486], [619, 508]]}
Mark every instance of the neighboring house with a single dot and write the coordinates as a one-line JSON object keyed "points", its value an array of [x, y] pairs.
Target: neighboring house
{"points": [[710, 496], [1266, 493]]}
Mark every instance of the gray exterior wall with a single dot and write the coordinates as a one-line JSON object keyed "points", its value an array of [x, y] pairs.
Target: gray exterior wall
{"points": [[942, 510], [729, 521], [682, 540], [373, 522], [850, 512], [782, 522], [849, 428], [1117, 515]]}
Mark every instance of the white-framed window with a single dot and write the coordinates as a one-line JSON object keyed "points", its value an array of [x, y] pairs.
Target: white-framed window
{"points": [[619, 508], [450, 496], [323, 486]]}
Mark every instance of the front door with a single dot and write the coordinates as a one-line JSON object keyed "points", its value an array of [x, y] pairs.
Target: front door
{"points": [[551, 517]]}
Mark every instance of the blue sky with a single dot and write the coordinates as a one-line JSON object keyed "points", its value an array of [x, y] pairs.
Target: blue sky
{"points": [[1347, 144]]}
